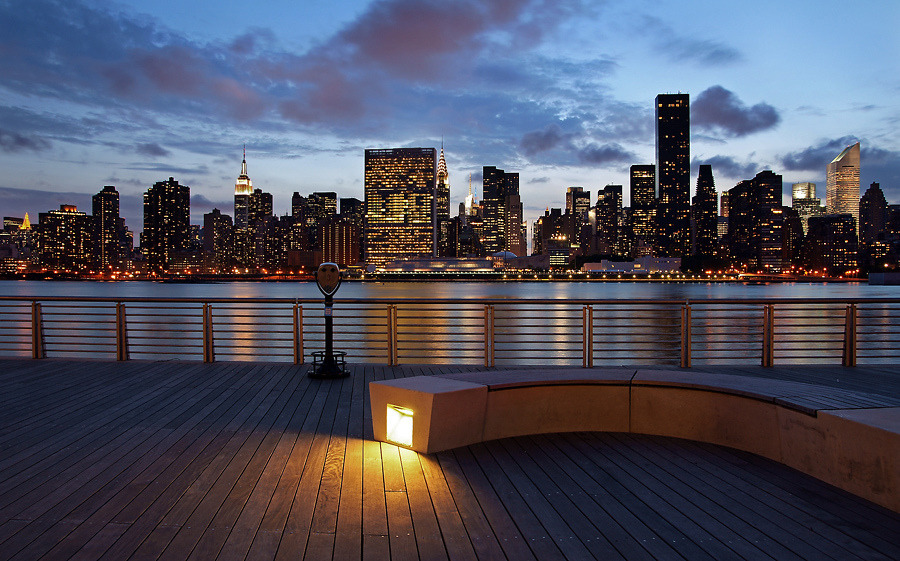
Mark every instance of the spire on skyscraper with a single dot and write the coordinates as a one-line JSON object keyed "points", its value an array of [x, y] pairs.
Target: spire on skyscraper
{"points": [[442, 173]]}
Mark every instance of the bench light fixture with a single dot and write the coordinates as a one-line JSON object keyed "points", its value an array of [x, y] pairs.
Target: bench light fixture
{"points": [[399, 425]]}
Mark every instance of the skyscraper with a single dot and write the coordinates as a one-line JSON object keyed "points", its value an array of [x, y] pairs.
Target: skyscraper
{"points": [[805, 202], [673, 159], [108, 228], [65, 239], [167, 210], [502, 230], [842, 184], [442, 209], [755, 223], [873, 214], [243, 190], [643, 207], [609, 215], [399, 198], [705, 210]]}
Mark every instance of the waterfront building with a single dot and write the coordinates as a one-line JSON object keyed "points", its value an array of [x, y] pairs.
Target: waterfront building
{"points": [[755, 223], [502, 209], [609, 217], [65, 239], [842, 184], [548, 230], [873, 212], [167, 210], [217, 237], [791, 237], [705, 212], [243, 189], [578, 205], [340, 241], [805, 202], [643, 208], [108, 229], [831, 244], [673, 159], [400, 202]]}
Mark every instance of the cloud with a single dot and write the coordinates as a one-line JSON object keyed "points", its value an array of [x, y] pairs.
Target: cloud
{"points": [[152, 149], [15, 142], [605, 154], [816, 157], [719, 110], [726, 166], [551, 137], [704, 52]]}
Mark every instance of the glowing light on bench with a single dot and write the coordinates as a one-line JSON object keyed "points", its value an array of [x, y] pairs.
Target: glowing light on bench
{"points": [[399, 425]]}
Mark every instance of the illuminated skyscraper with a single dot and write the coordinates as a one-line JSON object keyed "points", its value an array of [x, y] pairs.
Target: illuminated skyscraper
{"points": [[65, 239], [400, 203], [805, 202], [705, 210], [673, 159], [167, 211], [442, 209], [243, 190], [108, 229], [643, 205], [842, 184]]}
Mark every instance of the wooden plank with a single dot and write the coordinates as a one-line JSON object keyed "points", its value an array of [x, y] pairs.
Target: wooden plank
{"points": [[785, 509], [400, 527], [457, 540], [429, 540], [782, 532], [481, 535]]}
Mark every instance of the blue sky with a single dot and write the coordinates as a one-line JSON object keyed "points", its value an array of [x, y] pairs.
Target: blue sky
{"points": [[128, 93]]}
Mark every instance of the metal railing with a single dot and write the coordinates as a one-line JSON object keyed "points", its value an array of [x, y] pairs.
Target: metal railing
{"points": [[459, 331]]}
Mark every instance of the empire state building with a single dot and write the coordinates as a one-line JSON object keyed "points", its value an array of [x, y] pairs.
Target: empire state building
{"points": [[243, 188]]}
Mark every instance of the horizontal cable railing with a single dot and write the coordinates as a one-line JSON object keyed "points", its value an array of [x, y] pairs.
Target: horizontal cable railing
{"points": [[458, 331]]}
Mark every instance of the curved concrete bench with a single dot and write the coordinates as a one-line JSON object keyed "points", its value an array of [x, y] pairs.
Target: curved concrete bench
{"points": [[848, 439]]}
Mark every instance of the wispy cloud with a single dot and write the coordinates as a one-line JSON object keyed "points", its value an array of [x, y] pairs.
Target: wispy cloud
{"points": [[15, 142]]}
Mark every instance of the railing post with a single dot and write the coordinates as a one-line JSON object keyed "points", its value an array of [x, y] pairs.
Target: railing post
{"points": [[298, 333], [768, 343], [587, 330], [209, 353], [38, 350], [489, 335], [121, 332], [849, 357], [686, 335], [393, 358]]}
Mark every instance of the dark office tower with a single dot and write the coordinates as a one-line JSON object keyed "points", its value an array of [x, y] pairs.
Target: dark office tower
{"points": [[643, 208], [740, 223], [501, 230], [260, 206], [340, 240], [578, 205], [831, 243], [243, 189], [399, 192], [673, 159], [65, 239], [705, 210], [791, 237], [107, 229], [767, 224], [442, 209], [167, 211], [873, 210], [321, 207], [298, 207], [755, 223], [217, 240], [609, 216]]}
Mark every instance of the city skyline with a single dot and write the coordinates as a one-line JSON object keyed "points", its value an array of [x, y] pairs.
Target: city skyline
{"points": [[129, 94]]}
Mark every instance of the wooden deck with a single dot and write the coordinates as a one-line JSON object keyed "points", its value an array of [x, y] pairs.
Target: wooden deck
{"points": [[179, 460]]}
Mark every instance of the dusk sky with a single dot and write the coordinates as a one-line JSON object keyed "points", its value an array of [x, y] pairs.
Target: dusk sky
{"points": [[128, 93]]}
